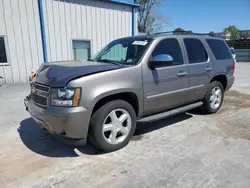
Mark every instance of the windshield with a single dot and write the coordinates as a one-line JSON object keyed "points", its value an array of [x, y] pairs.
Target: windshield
{"points": [[127, 51]]}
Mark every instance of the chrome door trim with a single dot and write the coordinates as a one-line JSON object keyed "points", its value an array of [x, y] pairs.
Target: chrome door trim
{"points": [[195, 87], [166, 93], [175, 91]]}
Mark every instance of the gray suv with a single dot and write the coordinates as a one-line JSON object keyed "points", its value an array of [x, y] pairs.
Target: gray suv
{"points": [[140, 78]]}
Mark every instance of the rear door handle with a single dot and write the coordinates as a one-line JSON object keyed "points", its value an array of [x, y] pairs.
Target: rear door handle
{"points": [[208, 69], [181, 73]]}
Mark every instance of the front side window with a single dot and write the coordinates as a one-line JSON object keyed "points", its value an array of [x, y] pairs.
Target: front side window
{"points": [[195, 50], [81, 49], [170, 47], [127, 51], [3, 56]]}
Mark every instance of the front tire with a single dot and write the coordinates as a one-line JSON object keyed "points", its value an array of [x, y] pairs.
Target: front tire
{"points": [[214, 98], [112, 126]]}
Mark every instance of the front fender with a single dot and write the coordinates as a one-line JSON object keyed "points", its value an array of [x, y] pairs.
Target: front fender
{"points": [[100, 85], [114, 92]]}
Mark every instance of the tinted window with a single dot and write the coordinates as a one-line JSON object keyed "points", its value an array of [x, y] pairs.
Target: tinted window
{"points": [[171, 47], [219, 49], [196, 51], [232, 50], [3, 58]]}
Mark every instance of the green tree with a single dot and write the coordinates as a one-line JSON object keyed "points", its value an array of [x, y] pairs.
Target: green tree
{"points": [[179, 29], [149, 21], [211, 33], [233, 30]]}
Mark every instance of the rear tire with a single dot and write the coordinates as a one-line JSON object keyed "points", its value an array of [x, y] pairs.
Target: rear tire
{"points": [[112, 126], [214, 98]]}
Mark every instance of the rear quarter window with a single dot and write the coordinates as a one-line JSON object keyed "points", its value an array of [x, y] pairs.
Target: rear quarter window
{"points": [[232, 51], [219, 49]]}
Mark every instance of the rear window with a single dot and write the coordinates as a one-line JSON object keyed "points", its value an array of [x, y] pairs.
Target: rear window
{"points": [[219, 49]]}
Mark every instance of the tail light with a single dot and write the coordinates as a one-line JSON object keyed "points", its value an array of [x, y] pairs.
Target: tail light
{"points": [[233, 66]]}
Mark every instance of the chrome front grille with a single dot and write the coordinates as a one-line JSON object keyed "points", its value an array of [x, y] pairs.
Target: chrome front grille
{"points": [[40, 94]]}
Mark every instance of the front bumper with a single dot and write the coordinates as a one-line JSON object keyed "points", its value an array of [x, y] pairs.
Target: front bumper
{"points": [[70, 122]]}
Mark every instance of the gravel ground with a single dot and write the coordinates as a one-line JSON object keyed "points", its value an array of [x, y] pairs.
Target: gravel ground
{"points": [[187, 150]]}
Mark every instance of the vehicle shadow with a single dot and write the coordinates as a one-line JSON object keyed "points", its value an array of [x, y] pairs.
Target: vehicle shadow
{"points": [[143, 128], [197, 111], [41, 142]]}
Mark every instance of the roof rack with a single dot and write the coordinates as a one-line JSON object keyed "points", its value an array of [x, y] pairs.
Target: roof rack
{"points": [[179, 33]]}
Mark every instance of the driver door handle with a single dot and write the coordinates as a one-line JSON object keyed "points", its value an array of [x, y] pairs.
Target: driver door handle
{"points": [[208, 69], [181, 73]]}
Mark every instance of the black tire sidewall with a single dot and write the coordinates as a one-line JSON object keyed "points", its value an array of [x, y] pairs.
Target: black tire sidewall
{"points": [[207, 107], [97, 121]]}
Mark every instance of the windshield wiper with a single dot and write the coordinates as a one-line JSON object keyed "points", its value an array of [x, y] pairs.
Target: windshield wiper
{"points": [[108, 61]]}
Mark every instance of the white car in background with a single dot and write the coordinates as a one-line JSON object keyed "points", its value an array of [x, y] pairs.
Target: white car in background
{"points": [[233, 53]]}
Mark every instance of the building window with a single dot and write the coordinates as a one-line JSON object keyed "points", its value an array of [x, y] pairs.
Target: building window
{"points": [[3, 56], [81, 49]]}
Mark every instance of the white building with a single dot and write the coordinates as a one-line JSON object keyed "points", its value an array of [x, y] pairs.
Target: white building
{"points": [[37, 31]]}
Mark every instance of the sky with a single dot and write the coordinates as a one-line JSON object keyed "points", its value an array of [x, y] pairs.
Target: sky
{"points": [[205, 15]]}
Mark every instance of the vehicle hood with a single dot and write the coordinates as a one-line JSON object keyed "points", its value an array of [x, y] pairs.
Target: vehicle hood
{"points": [[58, 74]]}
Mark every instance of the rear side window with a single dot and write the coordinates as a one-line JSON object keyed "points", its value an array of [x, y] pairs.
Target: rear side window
{"points": [[171, 47], [219, 49], [196, 51], [232, 51]]}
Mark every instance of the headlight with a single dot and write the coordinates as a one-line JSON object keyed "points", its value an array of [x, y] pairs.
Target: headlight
{"points": [[65, 96]]}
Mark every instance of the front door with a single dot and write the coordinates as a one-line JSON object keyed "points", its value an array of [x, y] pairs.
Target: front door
{"points": [[165, 87]]}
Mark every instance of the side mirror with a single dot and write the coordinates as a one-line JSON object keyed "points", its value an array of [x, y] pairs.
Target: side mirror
{"points": [[160, 61]]}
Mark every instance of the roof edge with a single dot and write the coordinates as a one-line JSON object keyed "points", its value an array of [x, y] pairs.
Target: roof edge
{"points": [[124, 3]]}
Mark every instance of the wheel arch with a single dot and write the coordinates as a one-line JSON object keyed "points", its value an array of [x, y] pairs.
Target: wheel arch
{"points": [[222, 78], [131, 97]]}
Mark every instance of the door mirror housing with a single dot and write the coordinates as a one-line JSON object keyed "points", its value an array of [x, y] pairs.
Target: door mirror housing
{"points": [[160, 61]]}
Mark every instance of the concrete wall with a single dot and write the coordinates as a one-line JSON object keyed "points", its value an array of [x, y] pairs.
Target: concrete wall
{"points": [[19, 24], [97, 21], [242, 54]]}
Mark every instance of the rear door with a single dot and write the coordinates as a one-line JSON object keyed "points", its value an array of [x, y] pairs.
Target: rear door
{"points": [[199, 68], [165, 87]]}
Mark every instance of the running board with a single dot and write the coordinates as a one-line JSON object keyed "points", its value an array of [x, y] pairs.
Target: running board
{"points": [[171, 112]]}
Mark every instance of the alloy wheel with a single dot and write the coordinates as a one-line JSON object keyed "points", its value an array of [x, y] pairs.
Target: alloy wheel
{"points": [[216, 97], [116, 126]]}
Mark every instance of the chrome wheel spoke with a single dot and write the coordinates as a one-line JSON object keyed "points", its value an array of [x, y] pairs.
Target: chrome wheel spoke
{"points": [[212, 98], [213, 91], [113, 116], [112, 136], [213, 104], [218, 92], [124, 130], [123, 117], [107, 127], [217, 100]]}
